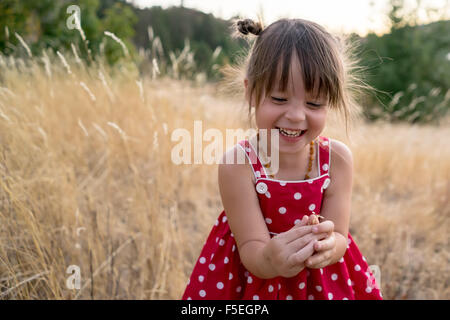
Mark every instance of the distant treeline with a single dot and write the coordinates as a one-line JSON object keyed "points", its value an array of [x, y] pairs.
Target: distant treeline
{"points": [[205, 33], [409, 66]]}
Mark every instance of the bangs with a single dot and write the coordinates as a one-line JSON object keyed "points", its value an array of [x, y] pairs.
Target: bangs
{"points": [[320, 69]]}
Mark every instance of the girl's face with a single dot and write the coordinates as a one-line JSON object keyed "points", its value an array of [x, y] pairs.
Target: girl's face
{"points": [[294, 110]]}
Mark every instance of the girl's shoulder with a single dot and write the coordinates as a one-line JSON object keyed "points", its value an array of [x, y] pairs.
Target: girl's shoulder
{"points": [[341, 157], [235, 166]]}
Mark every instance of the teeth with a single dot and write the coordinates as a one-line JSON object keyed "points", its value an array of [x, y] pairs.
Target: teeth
{"points": [[291, 133]]}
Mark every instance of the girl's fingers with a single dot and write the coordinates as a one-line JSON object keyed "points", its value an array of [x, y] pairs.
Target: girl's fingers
{"points": [[318, 260], [298, 243], [326, 244], [301, 255], [326, 226], [296, 232]]}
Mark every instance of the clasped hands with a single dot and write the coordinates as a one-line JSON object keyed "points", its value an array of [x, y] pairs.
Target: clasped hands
{"points": [[311, 246]]}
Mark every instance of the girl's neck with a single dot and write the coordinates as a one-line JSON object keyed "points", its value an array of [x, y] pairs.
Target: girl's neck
{"points": [[289, 163]]}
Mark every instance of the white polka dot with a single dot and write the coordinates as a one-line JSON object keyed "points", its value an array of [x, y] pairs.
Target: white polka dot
{"points": [[202, 293], [233, 248], [282, 210], [345, 298], [202, 260], [226, 260], [212, 255], [258, 174], [289, 297], [279, 286], [321, 271], [189, 298], [282, 184], [230, 276], [268, 220], [248, 149], [325, 167], [319, 288], [267, 194], [310, 297], [189, 281], [224, 219], [255, 297], [220, 285], [357, 268], [301, 285], [297, 221], [334, 277], [349, 282], [270, 288], [201, 278], [341, 260], [249, 279], [238, 289], [246, 274], [217, 222], [232, 235], [368, 289], [212, 267], [325, 143], [221, 242], [297, 196], [330, 296], [349, 241], [217, 239], [312, 207]]}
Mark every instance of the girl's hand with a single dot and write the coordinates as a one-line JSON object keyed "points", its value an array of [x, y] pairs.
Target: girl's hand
{"points": [[325, 249], [288, 251]]}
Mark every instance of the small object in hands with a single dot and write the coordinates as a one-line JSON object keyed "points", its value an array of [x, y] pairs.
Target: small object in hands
{"points": [[314, 219]]}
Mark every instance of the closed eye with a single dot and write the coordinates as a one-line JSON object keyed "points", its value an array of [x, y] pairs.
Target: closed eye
{"points": [[314, 104], [279, 99]]}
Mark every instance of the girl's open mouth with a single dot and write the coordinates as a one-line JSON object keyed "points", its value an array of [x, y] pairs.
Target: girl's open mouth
{"points": [[291, 133]]}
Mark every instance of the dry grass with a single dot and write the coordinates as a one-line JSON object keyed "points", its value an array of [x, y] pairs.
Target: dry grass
{"points": [[87, 180]]}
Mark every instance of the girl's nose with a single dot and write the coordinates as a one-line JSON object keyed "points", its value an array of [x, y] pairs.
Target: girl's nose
{"points": [[296, 112]]}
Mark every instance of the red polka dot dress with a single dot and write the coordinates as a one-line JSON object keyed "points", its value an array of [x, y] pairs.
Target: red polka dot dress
{"points": [[219, 273]]}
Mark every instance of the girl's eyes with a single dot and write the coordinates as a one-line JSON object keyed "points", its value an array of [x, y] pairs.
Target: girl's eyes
{"points": [[316, 105], [279, 99]]}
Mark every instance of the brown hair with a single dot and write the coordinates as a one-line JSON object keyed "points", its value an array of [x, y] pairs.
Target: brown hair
{"points": [[328, 62]]}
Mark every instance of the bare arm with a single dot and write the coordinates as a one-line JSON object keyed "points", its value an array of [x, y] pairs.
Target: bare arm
{"points": [[242, 209], [336, 208]]}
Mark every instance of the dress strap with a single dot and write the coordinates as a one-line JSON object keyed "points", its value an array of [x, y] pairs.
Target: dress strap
{"points": [[258, 169], [324, 155]]}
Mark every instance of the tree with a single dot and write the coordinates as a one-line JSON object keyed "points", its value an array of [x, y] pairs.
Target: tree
{"points": [[409, 65]]}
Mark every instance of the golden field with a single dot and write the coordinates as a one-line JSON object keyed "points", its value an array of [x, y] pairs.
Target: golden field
{"points": [[86, 179]]}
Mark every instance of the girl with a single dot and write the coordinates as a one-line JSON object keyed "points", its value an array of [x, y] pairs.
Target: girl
{"points": [[262, 246]]}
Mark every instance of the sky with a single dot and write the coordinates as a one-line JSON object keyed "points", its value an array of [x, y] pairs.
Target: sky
{"points": [[360, 16]]}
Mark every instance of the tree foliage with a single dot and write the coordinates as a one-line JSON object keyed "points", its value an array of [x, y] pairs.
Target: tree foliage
{"points": [[43, 24], [410, 68]]}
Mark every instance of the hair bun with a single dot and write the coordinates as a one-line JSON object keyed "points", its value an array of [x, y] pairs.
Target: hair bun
{"points": [[248, 25]]}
